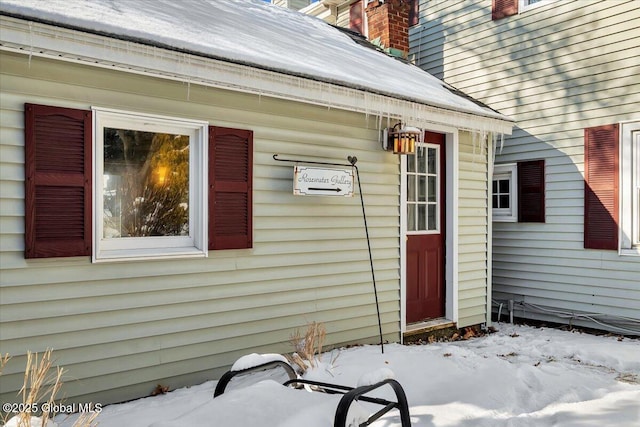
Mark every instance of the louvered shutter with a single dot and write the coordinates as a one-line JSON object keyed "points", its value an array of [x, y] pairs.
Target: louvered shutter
{"points": [[230, 188], [57, 182], [531, 191], [503, 8], [414, 13], [601, 174]]}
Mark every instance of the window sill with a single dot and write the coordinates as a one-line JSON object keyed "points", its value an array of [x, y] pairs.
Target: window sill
{"points": [[147, 254], [630, 252], [523, 8], [503, 219]]}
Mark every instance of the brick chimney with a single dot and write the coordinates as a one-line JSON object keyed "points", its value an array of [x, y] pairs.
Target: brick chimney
{"points": [[389, 21]]}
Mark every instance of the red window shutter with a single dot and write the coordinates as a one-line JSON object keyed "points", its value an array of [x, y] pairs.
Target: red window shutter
{"points": [[531, 191], [230, 188], [503, 8], [414, 13], [601, 197], [57, 182], [355, 17]]}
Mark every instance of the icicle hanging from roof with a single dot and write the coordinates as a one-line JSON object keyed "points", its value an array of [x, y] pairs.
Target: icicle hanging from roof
{"points": [[132, 57]]}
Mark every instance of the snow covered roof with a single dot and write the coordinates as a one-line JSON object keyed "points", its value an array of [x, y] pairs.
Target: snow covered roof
{"points": [[256, 34]]}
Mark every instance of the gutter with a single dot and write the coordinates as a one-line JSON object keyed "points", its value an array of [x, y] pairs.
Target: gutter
{"points": [[66, 42]]}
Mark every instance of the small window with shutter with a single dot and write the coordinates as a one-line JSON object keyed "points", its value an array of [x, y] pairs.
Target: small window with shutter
{"points": [[518, 192], [503, 8], [147, 197], [149, 186]]}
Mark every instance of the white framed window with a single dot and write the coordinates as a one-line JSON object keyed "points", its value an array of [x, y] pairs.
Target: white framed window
{"points": [[504, 192], [423, 189], [149, 186], [630, 188], [524, 5]]}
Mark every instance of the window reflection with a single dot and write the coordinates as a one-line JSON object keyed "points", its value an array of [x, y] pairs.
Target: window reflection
{"points": [[146, 184]]}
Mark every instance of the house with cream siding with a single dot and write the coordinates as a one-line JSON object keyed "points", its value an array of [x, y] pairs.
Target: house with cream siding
{"points": [[150, 233], [342, 13], [565, 198]]}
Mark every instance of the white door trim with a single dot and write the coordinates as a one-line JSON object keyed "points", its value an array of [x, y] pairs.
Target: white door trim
{"points": [[451, 238]]}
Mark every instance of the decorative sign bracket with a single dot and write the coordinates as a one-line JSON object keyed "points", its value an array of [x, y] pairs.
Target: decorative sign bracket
{"points": [[352, 163]]}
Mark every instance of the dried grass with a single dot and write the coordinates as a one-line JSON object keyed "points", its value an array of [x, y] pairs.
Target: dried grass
{"points": [[42, 382], [307, 347], [3, 361], [86, 419]]}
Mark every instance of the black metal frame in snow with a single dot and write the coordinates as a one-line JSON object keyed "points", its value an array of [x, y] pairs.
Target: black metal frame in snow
{"points": [[349, 394], [225, 379], [352, 162]]}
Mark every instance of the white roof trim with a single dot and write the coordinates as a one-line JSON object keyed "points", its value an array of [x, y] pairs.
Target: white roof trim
{"points": [[37, 39]]}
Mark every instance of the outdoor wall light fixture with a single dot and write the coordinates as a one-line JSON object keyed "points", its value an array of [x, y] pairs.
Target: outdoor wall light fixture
{"points": [[401, 139]]}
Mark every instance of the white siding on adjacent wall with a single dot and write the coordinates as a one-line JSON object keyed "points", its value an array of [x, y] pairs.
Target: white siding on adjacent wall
{"points": [[556, 69], [122, 328]]}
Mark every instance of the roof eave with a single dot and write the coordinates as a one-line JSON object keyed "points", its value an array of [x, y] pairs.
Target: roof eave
{"points": [[45, 39]]}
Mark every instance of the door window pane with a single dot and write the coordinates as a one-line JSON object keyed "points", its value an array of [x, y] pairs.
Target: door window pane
{"points": [[411, 162], [422, 161], [423, 186], [433, 189], [411, 188], [431, 223], [411, 217], [432, 160], [422, 217]]}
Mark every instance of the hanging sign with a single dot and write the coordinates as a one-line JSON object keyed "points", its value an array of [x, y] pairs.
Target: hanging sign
{"points": [[314, 181]]}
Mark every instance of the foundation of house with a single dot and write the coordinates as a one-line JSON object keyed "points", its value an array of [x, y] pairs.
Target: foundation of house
{"points": [[429, 331]]}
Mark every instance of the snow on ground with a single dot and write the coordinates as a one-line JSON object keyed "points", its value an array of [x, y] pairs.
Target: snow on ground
{"points": [[519, 376]]}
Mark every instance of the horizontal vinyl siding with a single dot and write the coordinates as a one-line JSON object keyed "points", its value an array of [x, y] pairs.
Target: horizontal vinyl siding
{"points": [[472, 237], [556, 69], [121, 328], [343, 19]]}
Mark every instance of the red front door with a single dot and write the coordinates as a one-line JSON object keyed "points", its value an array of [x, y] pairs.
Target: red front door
{"points": [[425, 280]]}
